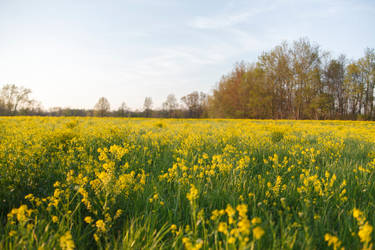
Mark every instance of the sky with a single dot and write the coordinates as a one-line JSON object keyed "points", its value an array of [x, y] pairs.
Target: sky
{"points": [[72, 52]]}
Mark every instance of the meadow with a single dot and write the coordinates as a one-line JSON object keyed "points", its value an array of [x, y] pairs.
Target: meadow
{"points": [[106, 183]]}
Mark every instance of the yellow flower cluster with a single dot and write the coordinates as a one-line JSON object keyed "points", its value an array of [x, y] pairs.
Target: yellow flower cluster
{"points": [[66, 242], [237, 228], [365, 229], [193, 194], [201, 184], [333, 241]]}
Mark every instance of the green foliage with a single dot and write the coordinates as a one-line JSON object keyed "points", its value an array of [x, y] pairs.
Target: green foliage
{"points": [[277, 136]]}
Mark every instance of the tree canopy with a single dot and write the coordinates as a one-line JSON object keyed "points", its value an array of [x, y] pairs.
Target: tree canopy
{"points": [[298, 81]]}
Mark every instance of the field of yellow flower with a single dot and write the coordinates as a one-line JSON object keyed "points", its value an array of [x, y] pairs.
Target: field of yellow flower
{"points": [[91, 183]]}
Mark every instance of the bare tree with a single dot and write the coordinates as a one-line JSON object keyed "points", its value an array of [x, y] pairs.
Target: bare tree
{"points": [[13, 98], [147, 106], [123, 109], [102, 107], [32, 107], [196, 103], [367, 68], [170, 105], [334, 75]]}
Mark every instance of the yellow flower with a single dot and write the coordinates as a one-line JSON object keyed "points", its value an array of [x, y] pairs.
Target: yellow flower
{"points": [[222, 227], [242, 210], [29, 197], [198, 245], [88, 220], [101, 226], [118, 213], [55, 219], [193, 194], [215, 214], [21, 213], [66, 242], [57, 193], [332, 240], [365, 233], [258, 232], [231, 240], [96, 237], [244, 226], [356, 213], [230, 212], [187, 243], [256, 220], [12, 233]]}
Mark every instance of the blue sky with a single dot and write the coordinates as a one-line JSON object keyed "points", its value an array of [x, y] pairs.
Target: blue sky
{"points": [[70, 53]]}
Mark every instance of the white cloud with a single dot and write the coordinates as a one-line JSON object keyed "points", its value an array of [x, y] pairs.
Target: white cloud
{"points": [[230, 18], [217, 22]]}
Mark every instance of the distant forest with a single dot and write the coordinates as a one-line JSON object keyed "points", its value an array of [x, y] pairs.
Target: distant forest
{"points": [[295, 80]]}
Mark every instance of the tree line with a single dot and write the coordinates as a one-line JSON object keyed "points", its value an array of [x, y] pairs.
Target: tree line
{"points": [[298, 81], [193, 105], [16, 100], [295, 80]]}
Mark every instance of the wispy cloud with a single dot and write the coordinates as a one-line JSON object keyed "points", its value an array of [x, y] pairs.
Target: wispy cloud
{"points": [[223, 21], [228, 19]]}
